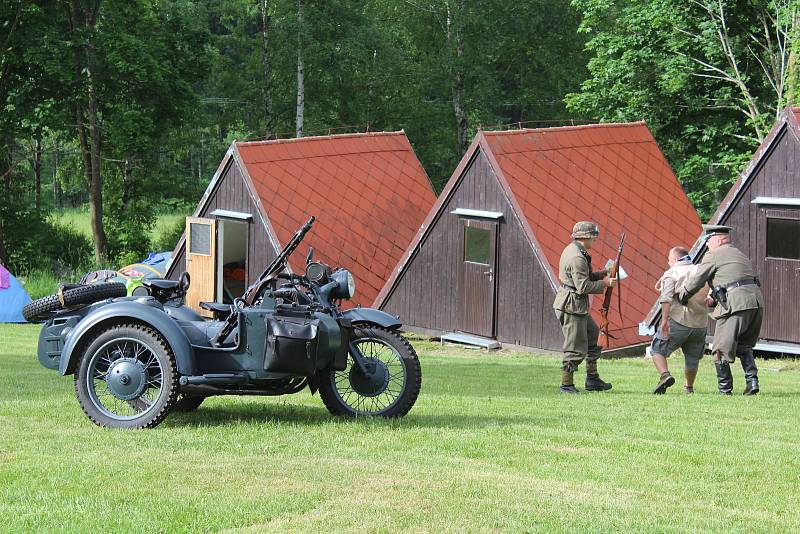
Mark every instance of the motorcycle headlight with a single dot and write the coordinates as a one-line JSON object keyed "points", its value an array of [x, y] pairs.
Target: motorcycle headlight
{"points": [[347, 284]]}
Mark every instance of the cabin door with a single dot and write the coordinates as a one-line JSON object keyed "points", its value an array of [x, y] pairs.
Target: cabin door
{"points": [[780, 281], [201, 251], [478, 276]]}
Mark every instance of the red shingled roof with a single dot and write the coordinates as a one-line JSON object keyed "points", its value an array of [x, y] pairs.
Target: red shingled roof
{"points": [[368, 192], [613, 174]]}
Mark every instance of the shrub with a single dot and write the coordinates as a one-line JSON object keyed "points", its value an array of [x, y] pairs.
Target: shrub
{"points": [[128, 230]]}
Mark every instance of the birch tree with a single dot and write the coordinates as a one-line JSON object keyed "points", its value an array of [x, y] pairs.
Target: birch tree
{"points": [[767, 44], [301, 83], [266, 22]]}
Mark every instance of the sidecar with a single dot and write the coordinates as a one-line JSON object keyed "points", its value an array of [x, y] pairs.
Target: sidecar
{"points": [[135, 359]]}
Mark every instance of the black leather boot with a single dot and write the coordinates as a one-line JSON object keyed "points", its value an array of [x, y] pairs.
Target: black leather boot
{"points": [[595, 383], [724, 377], [750, 373], [593, 380]]}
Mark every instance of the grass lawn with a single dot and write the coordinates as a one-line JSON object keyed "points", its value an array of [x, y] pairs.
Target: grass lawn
{"points": [[490, 446], [78, 219]]}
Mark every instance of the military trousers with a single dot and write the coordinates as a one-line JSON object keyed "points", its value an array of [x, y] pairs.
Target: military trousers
{"points": [[580, 339], [737, 334]]}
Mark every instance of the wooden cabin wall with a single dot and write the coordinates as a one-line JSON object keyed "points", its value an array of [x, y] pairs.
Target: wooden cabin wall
{"points": [[776, 176], [426, 295], [231, 194], [523, 289]]}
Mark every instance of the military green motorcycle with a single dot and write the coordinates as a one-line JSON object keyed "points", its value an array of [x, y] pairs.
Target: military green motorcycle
{"points": [[136, 359]]}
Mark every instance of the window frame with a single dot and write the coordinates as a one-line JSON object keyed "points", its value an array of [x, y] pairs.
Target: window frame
{"points": [[488, 243], [780, 217]]}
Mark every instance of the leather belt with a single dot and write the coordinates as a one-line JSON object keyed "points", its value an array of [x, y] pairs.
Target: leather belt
{"points": [[739, 283]]}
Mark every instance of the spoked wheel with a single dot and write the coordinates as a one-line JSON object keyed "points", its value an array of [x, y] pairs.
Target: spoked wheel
{"points": [[390, 385], [127, 378]]}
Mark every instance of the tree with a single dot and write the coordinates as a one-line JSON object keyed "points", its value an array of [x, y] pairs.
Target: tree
{"points": [[301, 73], [266, 20], [83, 15], [705, 75]]}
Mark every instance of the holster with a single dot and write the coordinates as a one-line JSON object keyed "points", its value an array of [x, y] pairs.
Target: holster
{"points": [[720, 294]]}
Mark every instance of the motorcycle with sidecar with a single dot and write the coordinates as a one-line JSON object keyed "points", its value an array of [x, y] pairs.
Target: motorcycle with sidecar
{"points": [[137, 358]]}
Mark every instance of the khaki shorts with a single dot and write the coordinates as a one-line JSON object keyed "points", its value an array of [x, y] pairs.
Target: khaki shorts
{"points": [[691, 340]]}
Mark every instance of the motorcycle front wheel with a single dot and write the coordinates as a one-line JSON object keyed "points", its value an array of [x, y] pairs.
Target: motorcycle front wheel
{"points": [[392, 381], [127, 378]]}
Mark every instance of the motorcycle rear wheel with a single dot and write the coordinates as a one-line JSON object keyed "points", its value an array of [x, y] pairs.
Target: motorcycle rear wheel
{"points": [[391, 386]]}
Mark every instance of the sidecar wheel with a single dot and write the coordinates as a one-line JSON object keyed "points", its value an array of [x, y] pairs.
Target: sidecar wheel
{"points": [[127, 378], [188, 403], [392, 385]]}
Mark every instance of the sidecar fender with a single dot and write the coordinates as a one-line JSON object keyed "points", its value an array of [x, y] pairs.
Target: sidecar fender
{"points": [[371, 315], [120, 313]]}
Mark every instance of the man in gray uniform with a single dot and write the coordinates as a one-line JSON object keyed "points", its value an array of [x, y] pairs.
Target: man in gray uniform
{"points": [[682, 326], [739, 306], [572, 308]]}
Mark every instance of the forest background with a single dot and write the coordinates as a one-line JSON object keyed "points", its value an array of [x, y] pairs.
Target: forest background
{"points": [[126, 107]]}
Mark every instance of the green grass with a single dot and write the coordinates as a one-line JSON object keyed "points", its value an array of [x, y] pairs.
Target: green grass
{"points": [[490, 446], [78, 218], [39, 283], [75, 218]]}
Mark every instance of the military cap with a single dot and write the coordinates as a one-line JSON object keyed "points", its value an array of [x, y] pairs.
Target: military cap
{"points": [[716, 229], [585, 230]]}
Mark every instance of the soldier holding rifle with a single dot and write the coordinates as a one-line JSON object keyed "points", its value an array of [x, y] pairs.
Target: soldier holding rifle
{"points": [[572, 308]]}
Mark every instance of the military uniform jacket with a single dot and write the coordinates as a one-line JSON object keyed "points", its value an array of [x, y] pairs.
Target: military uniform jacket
{"points": [[722, 266], [577, 280]]}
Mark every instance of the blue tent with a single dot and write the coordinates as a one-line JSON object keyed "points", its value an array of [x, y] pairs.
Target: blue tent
{"points": [[13, 298]]}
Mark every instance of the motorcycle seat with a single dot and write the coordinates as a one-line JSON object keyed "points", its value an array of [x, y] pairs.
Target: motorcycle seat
{"points": [[220, 310], [161, 283]]}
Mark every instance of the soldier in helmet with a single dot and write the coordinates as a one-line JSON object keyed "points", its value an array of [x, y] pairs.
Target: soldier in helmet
{"points": [[572, 308], [739, 306]]}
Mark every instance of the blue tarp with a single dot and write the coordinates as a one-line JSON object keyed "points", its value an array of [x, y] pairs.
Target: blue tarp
{"points": [[13, 298]]}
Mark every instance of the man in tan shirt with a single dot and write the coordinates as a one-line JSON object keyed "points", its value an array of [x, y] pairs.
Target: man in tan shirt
{"points": [[682, 326]]}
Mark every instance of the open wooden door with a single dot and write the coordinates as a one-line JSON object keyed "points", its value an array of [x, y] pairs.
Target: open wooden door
{"points": [[201, 253]]}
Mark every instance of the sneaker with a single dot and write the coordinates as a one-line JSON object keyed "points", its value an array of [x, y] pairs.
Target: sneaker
{"points": [[663, 384], [569, 389], [688, 390]]}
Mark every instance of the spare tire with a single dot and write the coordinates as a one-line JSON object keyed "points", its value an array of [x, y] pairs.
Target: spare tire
{"points": [[41, 309]]}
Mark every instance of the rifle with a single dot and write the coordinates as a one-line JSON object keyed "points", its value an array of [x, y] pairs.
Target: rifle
{"points": [[603, 339], [277, 265]]}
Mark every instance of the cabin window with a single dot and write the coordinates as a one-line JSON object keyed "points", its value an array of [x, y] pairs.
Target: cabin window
{"points": [[783, 238], [477, 244], [200, 238]]}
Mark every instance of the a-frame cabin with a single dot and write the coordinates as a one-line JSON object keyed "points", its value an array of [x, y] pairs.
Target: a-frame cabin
{"points": [[368, 192], [763, 208], [485, 261]]}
